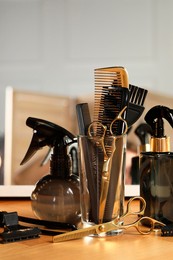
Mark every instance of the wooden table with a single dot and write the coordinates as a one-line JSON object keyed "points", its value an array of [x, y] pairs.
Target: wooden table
{"points": [[129, 245]]}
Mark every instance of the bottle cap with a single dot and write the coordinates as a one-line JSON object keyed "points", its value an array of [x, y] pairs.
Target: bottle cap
{"points": [[160, 144]]}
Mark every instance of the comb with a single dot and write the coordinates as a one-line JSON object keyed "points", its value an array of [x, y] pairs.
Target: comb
{"points": [[136, 102], [111, 96], [54, 225]]}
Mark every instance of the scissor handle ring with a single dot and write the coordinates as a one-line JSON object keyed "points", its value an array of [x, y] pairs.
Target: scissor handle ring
{"points": [[142, 206], [98, 124], [119, 118]]}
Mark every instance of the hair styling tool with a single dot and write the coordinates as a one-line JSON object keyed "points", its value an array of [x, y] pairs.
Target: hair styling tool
{"points": [[11, 221], [56, 195], [84, 120], [48, 227], [108, 155], [111, 97], [48, 224], [13, 231], [105, 228], [136, 102]]}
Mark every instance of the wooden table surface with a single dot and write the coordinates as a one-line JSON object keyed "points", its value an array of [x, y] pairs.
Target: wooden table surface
{"points": [[129, 245]]}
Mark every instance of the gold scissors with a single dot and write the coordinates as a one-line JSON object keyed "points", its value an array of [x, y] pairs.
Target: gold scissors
{"points": [[97, 132], [144, 225]]}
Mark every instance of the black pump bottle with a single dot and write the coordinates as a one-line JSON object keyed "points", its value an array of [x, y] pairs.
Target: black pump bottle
{"points": [[156, 168], [56, 196]]}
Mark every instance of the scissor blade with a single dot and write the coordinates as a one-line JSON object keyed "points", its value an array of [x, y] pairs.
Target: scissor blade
{"points": [[75, 234], [103, 197], [106, 173]]}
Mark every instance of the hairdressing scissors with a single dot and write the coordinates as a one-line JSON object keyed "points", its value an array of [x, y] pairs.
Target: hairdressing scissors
{"points": [[97, 133], [144, 225]]}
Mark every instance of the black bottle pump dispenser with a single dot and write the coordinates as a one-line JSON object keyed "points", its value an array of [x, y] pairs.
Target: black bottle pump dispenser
{"points": [[156, 166], [56, 196]]}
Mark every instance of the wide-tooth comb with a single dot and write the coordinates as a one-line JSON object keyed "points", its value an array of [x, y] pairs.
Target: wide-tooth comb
{"points": [[136, 102]]}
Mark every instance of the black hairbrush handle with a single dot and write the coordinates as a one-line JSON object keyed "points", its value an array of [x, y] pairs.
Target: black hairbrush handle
{"points": [[134, 112]]}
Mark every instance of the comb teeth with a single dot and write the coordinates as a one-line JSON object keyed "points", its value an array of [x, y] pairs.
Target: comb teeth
{"points": [[137, 95], [116, 75], [111, 94]]}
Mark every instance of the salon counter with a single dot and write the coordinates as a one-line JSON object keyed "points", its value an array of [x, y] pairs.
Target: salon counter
{"points": [[129, 245]]}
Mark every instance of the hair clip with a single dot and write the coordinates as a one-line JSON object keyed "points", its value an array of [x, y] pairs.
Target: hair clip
{"points": [[13, 231]]}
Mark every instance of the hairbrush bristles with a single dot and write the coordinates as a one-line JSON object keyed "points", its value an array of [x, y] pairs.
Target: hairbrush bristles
{"points": [[136, 104], [137, 95]]}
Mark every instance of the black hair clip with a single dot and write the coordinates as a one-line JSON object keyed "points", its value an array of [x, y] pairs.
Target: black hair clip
{"points": [[13, 231]]}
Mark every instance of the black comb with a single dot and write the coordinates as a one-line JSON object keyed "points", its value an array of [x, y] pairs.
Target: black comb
{"points": [[136, 104]]}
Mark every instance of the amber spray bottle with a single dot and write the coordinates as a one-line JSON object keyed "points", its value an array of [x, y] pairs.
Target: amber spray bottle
{"points": [[56, 196], [156, 168]]}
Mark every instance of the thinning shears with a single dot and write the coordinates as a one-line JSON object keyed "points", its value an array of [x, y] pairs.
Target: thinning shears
{"points": [[144, 225], [97, 133]]}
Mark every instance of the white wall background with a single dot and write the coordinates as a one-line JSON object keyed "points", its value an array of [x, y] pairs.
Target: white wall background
{"points": [[53, 46]]}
